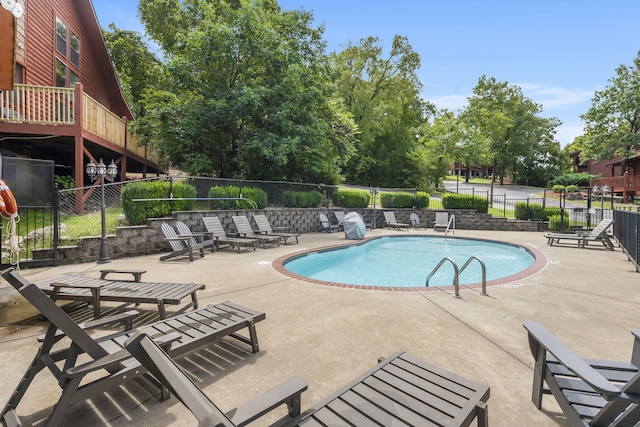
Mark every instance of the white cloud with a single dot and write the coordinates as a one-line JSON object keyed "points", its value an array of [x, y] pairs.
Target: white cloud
{"points": [[567, 132], [450, 102], [555, 97]]}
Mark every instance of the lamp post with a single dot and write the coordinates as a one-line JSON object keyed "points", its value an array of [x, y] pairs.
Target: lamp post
{"points": [[603, 192], [374, 191], [95, 172]]}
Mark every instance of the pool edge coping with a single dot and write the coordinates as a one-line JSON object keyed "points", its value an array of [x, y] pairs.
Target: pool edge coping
{"points": [[541, 261]]}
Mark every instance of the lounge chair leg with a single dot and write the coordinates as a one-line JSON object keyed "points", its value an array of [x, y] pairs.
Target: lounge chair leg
{"points": [[161, 309], [59, 409], [482, 412]]}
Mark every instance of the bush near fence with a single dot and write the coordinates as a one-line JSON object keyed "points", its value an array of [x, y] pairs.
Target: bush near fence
{"points": [[351, 198], [302, 199], [557, 223], [404, 200], [524, 210], [464, 201], [137, 212], [257, 195]]}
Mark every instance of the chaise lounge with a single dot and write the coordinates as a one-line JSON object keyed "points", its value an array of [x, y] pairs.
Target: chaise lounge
{"points": [[106, 364], [391, 222], [94, 291], [400, 390], [598, 234]]}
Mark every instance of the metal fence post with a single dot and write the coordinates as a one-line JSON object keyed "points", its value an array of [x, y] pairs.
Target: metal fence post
{"points": [[56, 223]]}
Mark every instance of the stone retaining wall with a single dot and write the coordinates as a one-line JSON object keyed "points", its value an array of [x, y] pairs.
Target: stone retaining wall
{"points": [[148, 239]]}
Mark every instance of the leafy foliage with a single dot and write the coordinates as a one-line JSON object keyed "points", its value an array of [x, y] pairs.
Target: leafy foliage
{"points": [[581, 179], [465, 201], [248, 92], [137, 212], [351, 198], [397, 199], [302, 199], [612, 123], [258, 196]]}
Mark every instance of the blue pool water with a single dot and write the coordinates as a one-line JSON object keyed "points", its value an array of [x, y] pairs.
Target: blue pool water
{"points": [[407, 261]]}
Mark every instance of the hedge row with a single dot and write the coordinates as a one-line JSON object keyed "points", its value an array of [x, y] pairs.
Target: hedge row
{"points": [[556, 222], [137, 212], [302, 199], [400, 199], [257, 195], [464, 201], [524, 211], [351, 198]]}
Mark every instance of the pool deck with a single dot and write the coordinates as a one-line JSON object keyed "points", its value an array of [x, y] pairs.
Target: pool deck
{"points": [[329, 335]]}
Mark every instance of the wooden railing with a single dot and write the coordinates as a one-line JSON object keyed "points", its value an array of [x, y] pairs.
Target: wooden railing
{"points": [[627, 185], [99, 120], [48, 105], [38, 104]]}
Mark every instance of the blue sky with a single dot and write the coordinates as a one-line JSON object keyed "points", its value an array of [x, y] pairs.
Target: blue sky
{"points": [[558, 52]]}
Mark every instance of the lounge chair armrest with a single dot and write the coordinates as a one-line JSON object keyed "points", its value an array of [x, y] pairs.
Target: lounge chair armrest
{"points": [[288, 393], [569, 359], [635, 355], [124, 317], [117, 357], [137, 274]]}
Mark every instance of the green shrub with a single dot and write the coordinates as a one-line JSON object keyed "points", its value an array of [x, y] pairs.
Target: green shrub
{"points": [[398, 199], [581, 179], [464, 201], [257, 195], [302, 199], [351, 198], [138, 212], [536, 212], [422, 200], [558, 188], [555, 223], [572, 188]]}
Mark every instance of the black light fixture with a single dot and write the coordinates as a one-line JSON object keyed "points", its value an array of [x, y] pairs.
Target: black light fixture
{"points": [[95, 172]]}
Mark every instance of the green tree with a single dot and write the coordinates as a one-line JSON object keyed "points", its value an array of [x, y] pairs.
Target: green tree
{"points": [[502, 119], [383, 95], [613, 120], [138, 68], [248, 94]]}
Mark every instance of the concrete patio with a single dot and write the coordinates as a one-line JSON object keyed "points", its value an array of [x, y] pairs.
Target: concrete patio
{"points": [[329, 335]]}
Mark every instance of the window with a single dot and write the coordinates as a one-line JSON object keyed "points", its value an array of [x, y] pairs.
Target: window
{"points": [[61, 37], [61, 74], [74, 51], [73, 78]]}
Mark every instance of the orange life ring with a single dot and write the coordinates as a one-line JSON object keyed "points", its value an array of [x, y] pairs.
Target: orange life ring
{"points": [[8, 205]]}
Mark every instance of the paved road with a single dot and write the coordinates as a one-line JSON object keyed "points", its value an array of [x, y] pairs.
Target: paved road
{"points": [[507, 192]]}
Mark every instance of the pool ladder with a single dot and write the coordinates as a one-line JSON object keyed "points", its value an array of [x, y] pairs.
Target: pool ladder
{"points": [[457, 272]]}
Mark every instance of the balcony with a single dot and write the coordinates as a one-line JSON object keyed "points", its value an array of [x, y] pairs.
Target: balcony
{"points": [[57, 106], [624, 186]]}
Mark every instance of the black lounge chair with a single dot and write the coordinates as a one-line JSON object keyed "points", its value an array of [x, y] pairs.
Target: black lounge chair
{"points": [[589, 392], [400, 390], [106, 363]]}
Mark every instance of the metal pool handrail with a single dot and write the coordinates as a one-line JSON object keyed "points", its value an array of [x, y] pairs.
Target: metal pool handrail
{"points": [[484, 273], [456, 275]]}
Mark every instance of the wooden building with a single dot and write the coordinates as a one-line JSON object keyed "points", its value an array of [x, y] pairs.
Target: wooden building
{"points": [[60, 99], [623, 183]]}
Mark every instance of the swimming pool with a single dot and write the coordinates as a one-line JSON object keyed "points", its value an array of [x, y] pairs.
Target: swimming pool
{"points": [[406, 261]]}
